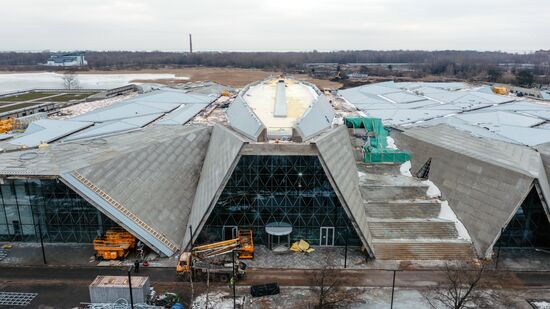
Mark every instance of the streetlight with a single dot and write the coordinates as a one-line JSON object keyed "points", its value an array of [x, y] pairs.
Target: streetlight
{"points": [[130, 286], [42, 242]]}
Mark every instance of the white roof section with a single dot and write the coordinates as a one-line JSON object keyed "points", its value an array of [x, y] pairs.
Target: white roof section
{"points": [[243, 119], [172, 106], [471, 109], [280, 100], [262, 99], [182, 114], [48, 130], [155, 102], [317, 119], [114, 127]]}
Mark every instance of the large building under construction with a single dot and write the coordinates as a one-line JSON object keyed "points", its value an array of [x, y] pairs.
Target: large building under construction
{"points": [[280, 157]]}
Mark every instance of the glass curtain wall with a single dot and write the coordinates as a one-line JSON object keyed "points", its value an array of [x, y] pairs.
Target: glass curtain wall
{"points": [[30, 205], [529, 227], [289, 189]]}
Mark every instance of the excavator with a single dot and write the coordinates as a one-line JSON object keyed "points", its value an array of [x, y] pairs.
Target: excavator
{"points": [[205, 259]]}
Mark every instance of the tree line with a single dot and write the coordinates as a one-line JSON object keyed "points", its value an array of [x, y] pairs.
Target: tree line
{"points": [[493, 66]]}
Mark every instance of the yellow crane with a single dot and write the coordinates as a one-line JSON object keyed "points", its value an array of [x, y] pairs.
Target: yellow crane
{"points": [[6, 125], [201, 259]]}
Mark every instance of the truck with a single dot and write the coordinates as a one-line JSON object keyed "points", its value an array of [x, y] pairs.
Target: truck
{"points": [[212, 259]]}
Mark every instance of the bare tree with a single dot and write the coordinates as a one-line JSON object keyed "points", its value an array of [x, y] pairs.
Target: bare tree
{"points": [[462, 289], [70, 80], [329, 289]]}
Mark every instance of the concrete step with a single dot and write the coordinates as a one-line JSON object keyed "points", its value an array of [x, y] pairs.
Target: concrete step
{"points": [[422, 210], [422, 229], [389, 193], [423, 251]]}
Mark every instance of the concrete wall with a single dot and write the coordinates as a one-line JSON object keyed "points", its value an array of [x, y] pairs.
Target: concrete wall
{"points": [[220, 160], [339, 163], [483, 195]]}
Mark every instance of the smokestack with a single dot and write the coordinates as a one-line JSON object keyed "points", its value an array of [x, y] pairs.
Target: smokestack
{"points": [[190, 44]]}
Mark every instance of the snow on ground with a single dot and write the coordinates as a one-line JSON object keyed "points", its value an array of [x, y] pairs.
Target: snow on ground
{"points": [[541, 304], [405, 169], [391, 144], [47, 80], [216, 299], [448, 214], [433, 190]]}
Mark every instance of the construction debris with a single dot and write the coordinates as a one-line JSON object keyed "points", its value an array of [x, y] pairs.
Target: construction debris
{"points": [[301, 246]]}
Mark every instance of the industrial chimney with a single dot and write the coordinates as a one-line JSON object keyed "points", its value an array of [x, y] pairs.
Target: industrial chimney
{"points": [[190, 44]]}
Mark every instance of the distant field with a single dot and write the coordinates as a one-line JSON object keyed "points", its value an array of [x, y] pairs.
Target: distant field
{"points": [[26, 96], [234, 77], [55, 97], [17, 106], [69, 96]]}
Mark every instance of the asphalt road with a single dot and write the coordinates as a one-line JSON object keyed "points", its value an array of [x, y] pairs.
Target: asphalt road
{"points": [[68, 287]]}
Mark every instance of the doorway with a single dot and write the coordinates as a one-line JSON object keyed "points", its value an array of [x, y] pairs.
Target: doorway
{"points": [[229, 232], [327, 236]]}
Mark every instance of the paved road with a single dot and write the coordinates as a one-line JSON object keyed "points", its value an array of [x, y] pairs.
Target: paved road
{"points": [[68, 287], [288, 277]]}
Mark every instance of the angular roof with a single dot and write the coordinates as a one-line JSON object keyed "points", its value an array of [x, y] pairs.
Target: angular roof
{"points": [[484, 180], [457, 104], [163, 173], [339, 163], [124, 176], [222, 156]]}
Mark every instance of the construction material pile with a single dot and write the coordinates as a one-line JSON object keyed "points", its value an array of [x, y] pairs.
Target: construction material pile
{"points": [[301, 246]]}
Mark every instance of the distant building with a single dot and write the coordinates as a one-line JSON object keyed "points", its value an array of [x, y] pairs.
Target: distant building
{"points": [[67, 60]]}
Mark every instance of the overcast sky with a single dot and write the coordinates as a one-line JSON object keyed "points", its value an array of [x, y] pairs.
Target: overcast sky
{"points": [[281, 25]]}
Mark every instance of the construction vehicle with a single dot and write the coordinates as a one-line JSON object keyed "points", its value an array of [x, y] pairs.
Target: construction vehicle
{"points": [[6, 125], [114, 245], [500, 90], [208, 259]]}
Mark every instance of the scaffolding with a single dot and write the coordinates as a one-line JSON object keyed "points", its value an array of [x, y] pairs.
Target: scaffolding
{"points": [[376, 148]]}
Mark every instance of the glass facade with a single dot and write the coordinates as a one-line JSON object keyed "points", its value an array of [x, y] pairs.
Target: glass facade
{"points": [[28, 205], [529, 227], [288, 189]]}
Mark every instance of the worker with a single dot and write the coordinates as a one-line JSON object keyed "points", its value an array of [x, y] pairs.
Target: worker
{"points": [[136, 266]]}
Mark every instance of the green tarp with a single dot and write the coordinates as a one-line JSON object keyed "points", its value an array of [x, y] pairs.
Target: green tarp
{"points": [[376, 150]]}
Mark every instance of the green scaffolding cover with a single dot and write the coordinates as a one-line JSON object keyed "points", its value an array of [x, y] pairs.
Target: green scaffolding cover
{"points": [[376, 150]]}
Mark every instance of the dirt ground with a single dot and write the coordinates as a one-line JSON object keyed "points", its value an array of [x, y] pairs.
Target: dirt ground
{"points": [[234, 77]]}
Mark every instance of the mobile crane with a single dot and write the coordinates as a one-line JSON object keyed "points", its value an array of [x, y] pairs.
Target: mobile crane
{"points": [[204, 259]]}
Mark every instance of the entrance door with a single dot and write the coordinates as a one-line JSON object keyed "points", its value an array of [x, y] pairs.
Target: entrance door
{"points": [[327, 236], [229, 232]]}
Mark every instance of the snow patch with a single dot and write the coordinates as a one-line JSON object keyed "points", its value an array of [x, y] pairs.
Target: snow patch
{"points": [[405, 169], [541, 304], [447, 213], [433, 190], [216, 300], [391, 144]]}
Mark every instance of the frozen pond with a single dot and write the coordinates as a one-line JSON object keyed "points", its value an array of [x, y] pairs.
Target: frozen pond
{"points": [[22, 81]]}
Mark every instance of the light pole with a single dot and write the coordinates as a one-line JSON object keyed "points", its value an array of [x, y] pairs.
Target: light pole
{"points": [[42, 242], [233, 279], [346, 249], [392, 289], [130, 286]]}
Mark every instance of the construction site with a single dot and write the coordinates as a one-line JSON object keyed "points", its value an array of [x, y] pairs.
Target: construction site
{"points": [[214, 182]]}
